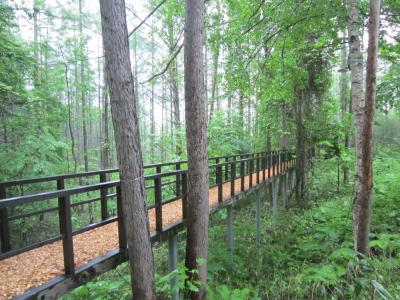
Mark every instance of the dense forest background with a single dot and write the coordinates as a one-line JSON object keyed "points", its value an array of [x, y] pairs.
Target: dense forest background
{"points": [[271, 68]]}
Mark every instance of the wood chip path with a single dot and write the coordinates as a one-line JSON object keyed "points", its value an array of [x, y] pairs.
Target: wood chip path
{"points": [[36, 267]]}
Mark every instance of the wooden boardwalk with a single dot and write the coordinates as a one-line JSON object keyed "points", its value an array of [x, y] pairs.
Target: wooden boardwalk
{"points": [[36, 267]]}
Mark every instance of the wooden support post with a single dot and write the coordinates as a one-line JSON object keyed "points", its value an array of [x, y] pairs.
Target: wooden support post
{"points": [[158, 201], [274, 183], [251, 165], [5, 226], [258, 218], [103, 198], [172, 264], [229, 235], [242, 176], [178, 180], [219, 182], [264, 164], [258, 169], [233, 177], [284, 191], [65, 221], [226, 169], [184, 195], [121, 226]]}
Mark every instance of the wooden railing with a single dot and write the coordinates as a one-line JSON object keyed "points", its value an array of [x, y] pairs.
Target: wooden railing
{"points": [[162, 188]]}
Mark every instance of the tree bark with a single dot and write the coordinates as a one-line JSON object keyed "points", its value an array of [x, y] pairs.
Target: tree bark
{"points": [[343, 99], [83, 100], [127, 139], [196, 122], [364, 201], [105, 138], [355, 64]]}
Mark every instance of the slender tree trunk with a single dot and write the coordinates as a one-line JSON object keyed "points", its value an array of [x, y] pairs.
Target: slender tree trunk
{"points": [[152, 120], [364, 201], [83, 100], [173, 85], [127, 140], [36, 74], [196, 123], [105, 139], [355, 64], [343, 98], [71, 131], [214, 83]]}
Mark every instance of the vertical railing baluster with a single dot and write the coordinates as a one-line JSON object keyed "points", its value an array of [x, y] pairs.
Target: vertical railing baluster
{"points": [[64, 212], [103, 198], [4, 224], [251, 161], [226, 168], [178, 180], [264, 164], [121, 222], [158, 200], [219, 182], [184, 195], [242, 175], [233, 177], [258, 168]]}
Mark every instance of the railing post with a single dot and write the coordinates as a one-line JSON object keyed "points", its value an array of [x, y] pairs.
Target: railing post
{"points": [[219, 182], [226, 169], [242, 175], [251, 165], [121, 221], [184, 195], [64, 212], [258, 168], [103, 198], [233, 177], [158, 202], [5, 226], [178, 180], [264, 164]]}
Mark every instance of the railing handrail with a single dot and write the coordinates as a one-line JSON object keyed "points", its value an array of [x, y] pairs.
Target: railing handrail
{"points": [[23, 181]]}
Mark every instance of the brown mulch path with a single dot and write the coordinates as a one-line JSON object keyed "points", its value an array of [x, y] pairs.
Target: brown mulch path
{"points": [[36, 267]]}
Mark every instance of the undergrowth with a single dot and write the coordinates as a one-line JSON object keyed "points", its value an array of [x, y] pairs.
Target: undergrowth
{"points": [[301, 255]]}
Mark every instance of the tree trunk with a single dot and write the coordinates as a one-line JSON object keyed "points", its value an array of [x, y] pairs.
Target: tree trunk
{"points": [[71, 131], [301, 153], [173, 85], [83, 100], [105, 139], [196, 122], [364, 201], [343, 99], [127, 140], [355, 64]]}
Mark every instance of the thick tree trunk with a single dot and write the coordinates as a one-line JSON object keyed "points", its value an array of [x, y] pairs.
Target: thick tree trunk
{"points": [[127, 139], [355, 64], [196, 122], [364, 201], [301, 153]]}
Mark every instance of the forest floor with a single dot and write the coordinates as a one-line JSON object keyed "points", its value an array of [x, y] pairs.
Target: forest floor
{"points": [[31, 269], [302, 254]]}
